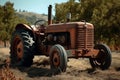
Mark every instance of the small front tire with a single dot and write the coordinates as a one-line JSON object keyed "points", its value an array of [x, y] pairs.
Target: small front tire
{"points": [[58, 58], [103, 59]]}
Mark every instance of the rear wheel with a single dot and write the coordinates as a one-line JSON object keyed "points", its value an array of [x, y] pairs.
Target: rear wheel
{"points": [[22, 47], [103, 59], [58, 58]]}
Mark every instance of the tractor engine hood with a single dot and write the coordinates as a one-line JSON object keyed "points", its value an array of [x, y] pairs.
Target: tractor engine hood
{"points": [[66, 27]]}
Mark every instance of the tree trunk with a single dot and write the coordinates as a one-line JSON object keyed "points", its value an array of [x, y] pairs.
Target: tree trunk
{"points": [[5, 45]]}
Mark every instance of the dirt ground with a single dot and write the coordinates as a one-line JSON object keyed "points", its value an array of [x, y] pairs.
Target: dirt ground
{"points": [[77, 69]]}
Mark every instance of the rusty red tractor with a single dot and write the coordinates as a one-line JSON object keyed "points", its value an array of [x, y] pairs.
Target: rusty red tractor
{"points": [[58, 41]]}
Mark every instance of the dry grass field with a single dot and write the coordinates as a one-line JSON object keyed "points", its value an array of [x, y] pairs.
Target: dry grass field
{"points": [[77, 69]]}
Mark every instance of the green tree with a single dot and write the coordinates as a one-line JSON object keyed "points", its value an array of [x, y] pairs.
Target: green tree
{"points": [[106, 20], [64, 8], [8, 21], [60, 12], [1, 17], [86, 9]]}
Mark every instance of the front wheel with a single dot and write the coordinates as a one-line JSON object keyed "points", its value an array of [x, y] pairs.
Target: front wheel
{"points": [[103, 60], [58, 58]]}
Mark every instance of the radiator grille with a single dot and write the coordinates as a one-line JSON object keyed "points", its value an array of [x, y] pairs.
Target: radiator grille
{"points": [[85, 38]]}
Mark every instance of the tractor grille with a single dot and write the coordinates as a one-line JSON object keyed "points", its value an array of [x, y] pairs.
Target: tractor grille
{"points": [[85, 38]]}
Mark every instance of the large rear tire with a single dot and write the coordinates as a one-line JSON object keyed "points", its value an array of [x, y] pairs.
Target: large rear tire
{"points": [[22, 47], [103, 60], [58, 58]]}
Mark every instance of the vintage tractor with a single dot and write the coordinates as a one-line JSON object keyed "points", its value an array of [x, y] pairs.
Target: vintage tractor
{"points": [[58, 41]]}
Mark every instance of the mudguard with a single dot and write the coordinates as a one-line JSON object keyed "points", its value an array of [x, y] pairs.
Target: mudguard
{"points": [[25, 26], [19, 26]]}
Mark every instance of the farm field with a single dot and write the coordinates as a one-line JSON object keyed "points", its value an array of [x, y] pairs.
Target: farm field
{"points": [[77, 69]]}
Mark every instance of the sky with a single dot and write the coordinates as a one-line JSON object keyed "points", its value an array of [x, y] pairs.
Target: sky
{"points": [[37, 6]]}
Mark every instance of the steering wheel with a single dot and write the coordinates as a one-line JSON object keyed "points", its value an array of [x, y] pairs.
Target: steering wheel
{"points": [[40, 25]]}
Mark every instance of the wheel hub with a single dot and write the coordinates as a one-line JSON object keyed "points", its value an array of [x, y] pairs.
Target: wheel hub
{"points": [[56, 59], [20, 50]]}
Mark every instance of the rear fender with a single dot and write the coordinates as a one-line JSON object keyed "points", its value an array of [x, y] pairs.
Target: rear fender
{"points": [[24, 26]]}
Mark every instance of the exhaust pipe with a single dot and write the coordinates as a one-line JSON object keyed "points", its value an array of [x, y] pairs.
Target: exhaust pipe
{"points": [[50, 14]]}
